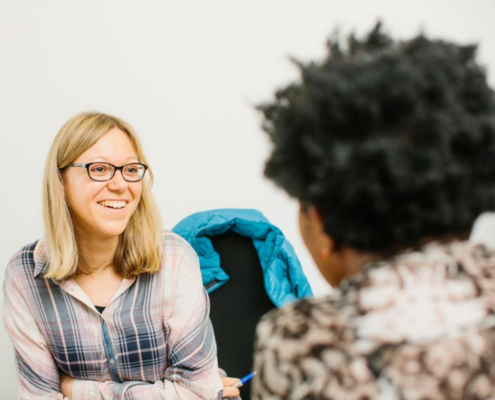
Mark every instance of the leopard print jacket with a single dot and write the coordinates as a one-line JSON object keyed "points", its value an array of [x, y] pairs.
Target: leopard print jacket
{"points": [[418, 326]]}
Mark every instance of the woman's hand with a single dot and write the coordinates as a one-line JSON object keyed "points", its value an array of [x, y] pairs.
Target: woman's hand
{"points": [[229, 391], [66, 382]]}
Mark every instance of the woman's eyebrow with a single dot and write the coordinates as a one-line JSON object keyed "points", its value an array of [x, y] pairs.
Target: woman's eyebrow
{"points": [[106, 159]]}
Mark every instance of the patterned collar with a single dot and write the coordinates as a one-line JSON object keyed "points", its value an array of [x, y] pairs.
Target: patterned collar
{"points": [[41, 258]]}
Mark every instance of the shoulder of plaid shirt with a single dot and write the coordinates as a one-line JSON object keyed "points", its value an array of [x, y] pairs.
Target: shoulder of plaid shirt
{"points": [[189, 370]]}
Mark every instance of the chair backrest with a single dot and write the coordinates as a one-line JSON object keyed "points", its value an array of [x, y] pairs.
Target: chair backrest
{"points": [[237, 306]]}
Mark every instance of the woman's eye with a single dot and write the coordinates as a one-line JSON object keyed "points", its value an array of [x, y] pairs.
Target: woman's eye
{"points": [[99, 169], [132, 170]]}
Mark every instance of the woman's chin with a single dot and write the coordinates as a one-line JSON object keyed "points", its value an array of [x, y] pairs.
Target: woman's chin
{"points": [[112, 231]]}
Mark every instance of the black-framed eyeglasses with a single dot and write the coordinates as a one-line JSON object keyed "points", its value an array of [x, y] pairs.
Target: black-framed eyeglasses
{"points": [[102, 172]]}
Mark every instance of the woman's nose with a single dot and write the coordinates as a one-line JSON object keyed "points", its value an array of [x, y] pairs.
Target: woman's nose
{"points": [[117, 182]]}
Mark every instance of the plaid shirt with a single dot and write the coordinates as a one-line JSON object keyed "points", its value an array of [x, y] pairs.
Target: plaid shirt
{"points": [[154, 339]]}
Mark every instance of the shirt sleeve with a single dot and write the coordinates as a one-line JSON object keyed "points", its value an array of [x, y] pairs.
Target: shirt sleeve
{"points": [[38, 375], [192, 371], [265, 362], [305, 351]]}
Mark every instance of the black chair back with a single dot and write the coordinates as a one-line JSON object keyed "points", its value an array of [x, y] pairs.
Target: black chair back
{"points": [[237, 306]]}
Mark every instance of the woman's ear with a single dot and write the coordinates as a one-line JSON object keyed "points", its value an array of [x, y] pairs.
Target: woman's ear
{"points": [[319, 244], [334, 261], [327, 256]]}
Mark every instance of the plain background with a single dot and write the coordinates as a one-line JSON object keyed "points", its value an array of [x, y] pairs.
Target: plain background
{"points": [[186, 75]]}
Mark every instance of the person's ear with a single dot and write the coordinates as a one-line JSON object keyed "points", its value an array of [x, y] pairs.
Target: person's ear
{"points": [[322, 247], [312, 228], [325, 242]]}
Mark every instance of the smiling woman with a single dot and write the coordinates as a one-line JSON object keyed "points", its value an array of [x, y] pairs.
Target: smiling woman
{"points": [[71, 203], [107, 305]]}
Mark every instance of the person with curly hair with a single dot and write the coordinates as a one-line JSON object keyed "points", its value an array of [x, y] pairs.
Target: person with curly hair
{"points": [[389, 147]]}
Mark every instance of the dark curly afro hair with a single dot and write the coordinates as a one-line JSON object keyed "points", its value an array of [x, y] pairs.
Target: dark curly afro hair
{"points": [[392, 141]]}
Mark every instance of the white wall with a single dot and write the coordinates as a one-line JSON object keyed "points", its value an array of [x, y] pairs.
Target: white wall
{"points": [[185, 75]]}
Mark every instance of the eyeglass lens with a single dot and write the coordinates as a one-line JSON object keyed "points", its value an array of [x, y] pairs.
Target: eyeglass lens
{"points": [[104, 171]]}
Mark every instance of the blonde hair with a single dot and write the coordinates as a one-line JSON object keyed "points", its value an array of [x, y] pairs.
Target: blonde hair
{"points": [[140, 245]]}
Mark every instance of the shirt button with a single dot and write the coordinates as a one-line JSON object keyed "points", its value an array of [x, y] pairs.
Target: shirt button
{"points": [[112, 361]]}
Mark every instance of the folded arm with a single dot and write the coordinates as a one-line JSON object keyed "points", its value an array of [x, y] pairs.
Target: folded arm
{"points": [[38, 374], [192, 371]]}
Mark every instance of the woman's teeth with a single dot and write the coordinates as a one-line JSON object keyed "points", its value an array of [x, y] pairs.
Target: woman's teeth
{"points": [[112, 204]]}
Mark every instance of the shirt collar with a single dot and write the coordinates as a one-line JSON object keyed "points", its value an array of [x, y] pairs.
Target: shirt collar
{"points": [[40, 258]]}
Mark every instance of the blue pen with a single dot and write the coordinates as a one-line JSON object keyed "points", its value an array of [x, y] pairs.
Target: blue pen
{"points": [[244, 380]]}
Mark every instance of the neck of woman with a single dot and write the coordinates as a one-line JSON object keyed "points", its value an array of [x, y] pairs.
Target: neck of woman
{"points": [[96, 254]]}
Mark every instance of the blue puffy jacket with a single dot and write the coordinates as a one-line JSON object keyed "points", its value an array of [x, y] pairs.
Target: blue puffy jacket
{"points": [[283, 276]]}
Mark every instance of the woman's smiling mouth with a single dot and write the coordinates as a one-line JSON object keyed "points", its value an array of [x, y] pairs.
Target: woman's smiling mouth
{"points": [[113, 204]]}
